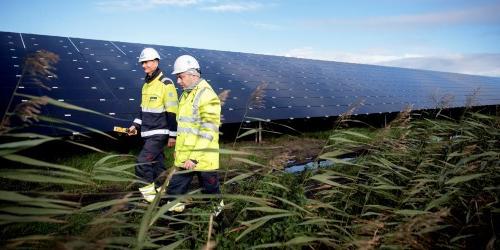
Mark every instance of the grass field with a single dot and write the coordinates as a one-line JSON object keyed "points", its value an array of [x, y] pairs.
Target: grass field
{"points": [[418, 183]]}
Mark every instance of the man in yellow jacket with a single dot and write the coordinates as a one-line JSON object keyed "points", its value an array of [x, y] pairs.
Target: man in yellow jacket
{"points": [[156, 121], [197, 132]]}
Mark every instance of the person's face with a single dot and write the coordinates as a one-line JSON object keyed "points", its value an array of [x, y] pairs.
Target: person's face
{"points": [[184, 79], [149, 66]]}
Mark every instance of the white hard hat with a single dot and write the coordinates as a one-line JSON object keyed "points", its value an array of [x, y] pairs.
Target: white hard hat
{"points": [[149, 54], [184, 63]]}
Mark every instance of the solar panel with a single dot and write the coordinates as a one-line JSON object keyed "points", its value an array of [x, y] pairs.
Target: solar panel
{"points": [[104, 76]]}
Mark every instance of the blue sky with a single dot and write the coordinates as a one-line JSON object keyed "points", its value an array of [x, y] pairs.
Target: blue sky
{"points": [[446, 35]]}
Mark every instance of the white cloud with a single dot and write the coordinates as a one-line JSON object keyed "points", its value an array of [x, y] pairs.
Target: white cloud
{"points": [[487, 64], [175, 2], [479, 15], [265, 26], [207, 5], [367, 58], [140, 5], [234, 7]]}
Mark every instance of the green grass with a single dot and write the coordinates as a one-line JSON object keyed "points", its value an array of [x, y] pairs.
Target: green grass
{"points": [[430, 182], [419, 183]]}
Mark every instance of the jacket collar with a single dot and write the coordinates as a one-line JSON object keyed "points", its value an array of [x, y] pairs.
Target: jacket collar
{"points": [[155, 74], [193, 86]]}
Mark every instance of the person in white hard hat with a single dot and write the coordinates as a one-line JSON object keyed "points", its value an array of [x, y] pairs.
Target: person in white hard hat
{"points": [[156, 121], [198, 120]]}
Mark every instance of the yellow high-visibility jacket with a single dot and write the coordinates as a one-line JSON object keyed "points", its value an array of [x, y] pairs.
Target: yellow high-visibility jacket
{"points": [[198, 124], [159, 105]]}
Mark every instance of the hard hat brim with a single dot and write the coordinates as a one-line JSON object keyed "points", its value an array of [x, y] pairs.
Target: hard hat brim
{"points": [[145, 60]]}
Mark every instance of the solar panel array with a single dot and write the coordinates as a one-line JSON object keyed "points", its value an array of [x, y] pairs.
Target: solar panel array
{"points": [[104, 76]]}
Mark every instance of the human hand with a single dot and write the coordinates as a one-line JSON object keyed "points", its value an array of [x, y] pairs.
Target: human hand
{"points": [[189, 164], [171, 142], [132, 130]]}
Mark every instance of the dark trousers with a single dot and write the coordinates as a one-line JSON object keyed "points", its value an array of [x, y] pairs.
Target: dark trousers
{"points": [[209, 182], [151, 159]]}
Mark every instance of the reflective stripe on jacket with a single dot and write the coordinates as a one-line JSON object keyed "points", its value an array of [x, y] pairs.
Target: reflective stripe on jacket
{"points": [[159, 107], [198, 127]]}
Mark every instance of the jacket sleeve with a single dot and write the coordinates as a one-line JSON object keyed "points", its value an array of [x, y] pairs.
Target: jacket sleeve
{"points": [[209, 110], [171, 103]]}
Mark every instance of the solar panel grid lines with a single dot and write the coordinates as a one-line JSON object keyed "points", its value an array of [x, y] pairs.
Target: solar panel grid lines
{"points": [[105, 76]]}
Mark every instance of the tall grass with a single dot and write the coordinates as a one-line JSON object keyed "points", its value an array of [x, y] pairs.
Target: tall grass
{"points": [[419, 183]]}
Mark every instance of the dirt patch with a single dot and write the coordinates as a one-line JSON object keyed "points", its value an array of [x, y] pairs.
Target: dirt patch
{"points": [[284, 151]]}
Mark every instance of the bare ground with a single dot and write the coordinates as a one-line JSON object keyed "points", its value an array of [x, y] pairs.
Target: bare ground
{"points": [[286, 150]]}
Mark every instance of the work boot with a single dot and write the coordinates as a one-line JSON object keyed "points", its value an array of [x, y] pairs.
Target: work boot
{"points": [[160, 192], [148, 192], [178, 208], [158, 189]]}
